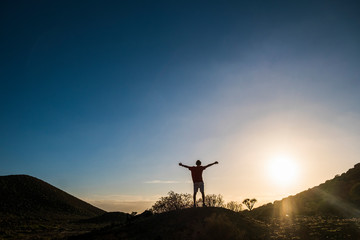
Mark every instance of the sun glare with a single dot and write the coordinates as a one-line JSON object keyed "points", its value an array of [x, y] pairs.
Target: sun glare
{"points": [[283, 170]]}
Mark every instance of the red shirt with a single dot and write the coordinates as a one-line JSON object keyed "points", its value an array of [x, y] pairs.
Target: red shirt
{"points": [[196, 173]]}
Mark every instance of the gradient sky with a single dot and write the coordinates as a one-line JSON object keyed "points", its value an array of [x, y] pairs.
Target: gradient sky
{"points": [[103, 99]]}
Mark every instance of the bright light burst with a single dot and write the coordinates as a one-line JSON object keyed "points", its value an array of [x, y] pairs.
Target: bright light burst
{"points": [[283, 170]]}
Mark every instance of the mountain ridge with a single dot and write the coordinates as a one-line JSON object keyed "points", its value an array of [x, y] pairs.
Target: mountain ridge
{"points": [[24, 195], [339, 196]]}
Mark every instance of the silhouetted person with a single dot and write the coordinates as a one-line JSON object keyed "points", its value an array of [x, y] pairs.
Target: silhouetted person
{"points": [[196, 174]]}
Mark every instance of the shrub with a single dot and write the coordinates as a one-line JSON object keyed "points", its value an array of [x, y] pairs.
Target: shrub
{"points": [[234, 206], [249, 203], [213, 200], [174, 201]]}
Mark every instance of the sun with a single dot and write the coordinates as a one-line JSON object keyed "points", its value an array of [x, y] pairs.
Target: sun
{"points": [[283, 170]]}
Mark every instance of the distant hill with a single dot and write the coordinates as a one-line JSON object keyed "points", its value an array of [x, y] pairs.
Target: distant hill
{"points": [[339, 196], [192, 223], [23, 195]]}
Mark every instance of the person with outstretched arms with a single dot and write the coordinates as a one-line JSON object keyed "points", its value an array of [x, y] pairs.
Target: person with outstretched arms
{"points": [[196, 174]]}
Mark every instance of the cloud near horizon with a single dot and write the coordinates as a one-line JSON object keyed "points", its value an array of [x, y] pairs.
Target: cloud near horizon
{"points": [[122, 206], [122, 203], [163, 182]]}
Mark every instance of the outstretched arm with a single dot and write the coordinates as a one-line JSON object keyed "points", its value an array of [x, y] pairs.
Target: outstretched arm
{"points": [[182, 165], [211, 164]]}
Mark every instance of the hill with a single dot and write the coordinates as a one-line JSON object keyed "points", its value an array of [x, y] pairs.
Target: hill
{"points": [[109, 217], [26, 196], [191, 223], [339, 197]]}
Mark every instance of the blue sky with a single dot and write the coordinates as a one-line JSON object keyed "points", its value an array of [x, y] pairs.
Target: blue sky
{"points": [[104, 98]]}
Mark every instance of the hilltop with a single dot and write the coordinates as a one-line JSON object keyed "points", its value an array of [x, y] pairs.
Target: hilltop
{"points": [[26, 196], [191, 223], [338, 197]]}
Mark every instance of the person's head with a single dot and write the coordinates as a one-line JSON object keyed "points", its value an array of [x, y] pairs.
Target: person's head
{"points": [[198, 163]]}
